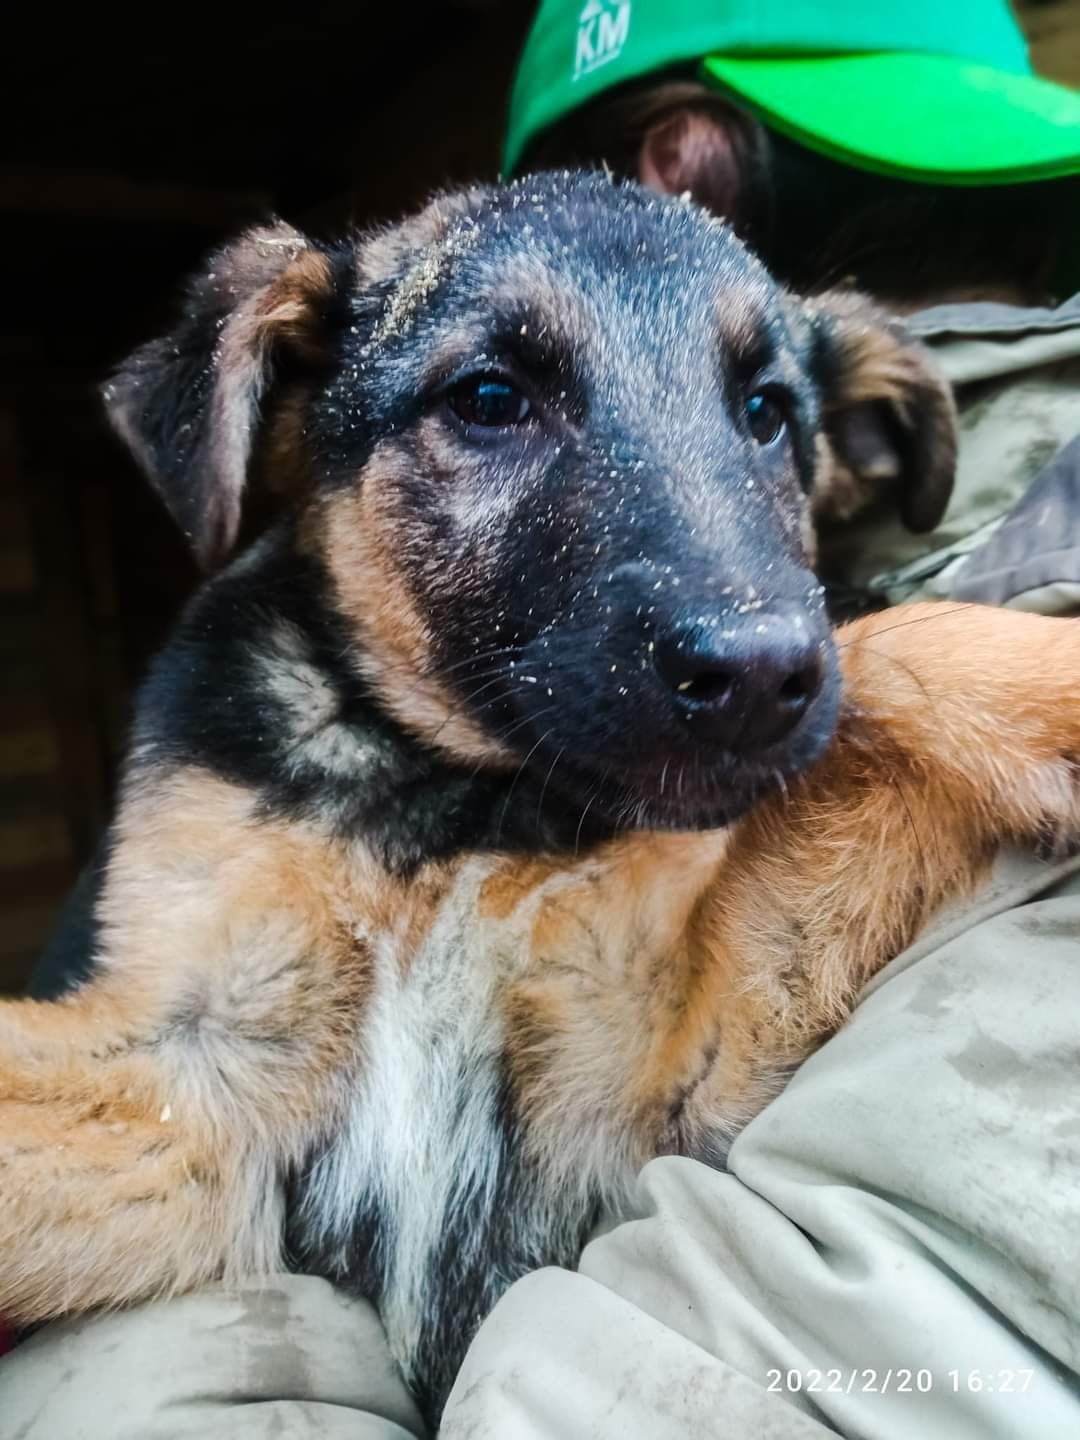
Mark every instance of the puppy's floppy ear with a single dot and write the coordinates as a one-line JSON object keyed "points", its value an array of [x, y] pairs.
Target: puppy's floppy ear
{"points": [[889, 417], [188, 404]]}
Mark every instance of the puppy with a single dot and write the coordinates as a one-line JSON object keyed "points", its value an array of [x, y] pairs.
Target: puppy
{"points": [[506, 814]]}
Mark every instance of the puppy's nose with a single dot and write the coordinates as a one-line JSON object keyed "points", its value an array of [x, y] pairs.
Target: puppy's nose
{"points": [[741, 682]]}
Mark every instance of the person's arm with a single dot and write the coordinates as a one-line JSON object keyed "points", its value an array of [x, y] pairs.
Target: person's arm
{"points": [[294, 1358], [895, 1250]]}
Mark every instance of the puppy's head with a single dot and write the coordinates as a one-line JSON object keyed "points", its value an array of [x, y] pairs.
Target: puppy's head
{"points": [[555, 446]]}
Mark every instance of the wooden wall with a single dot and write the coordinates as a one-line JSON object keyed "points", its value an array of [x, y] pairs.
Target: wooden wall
{"points": [[118, 174]]}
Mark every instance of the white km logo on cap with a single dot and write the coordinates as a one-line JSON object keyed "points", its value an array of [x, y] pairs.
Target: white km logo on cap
{"points": [[602, 29]]}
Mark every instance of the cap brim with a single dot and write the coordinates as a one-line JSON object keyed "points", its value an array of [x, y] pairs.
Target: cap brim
{"points": [[921, 117]]}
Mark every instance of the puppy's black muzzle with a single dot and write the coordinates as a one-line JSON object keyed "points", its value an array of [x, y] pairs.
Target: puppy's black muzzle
{"points": [[740, 682], [680, 704]]}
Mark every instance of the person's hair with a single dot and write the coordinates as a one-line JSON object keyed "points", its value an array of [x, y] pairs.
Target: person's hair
{"points": [[818, 222], [610, 131]]}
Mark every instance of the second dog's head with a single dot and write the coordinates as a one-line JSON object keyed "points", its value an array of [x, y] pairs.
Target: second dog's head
{"points": [[556, 446]]}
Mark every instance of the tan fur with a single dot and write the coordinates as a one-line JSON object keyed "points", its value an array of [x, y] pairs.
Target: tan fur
{"points": [[958, 731], [145, 1120], [284, 309], [281, 312], [283, 468], [360, 533], [875, 367], [740, 315], [558, 310], [653, 993]]}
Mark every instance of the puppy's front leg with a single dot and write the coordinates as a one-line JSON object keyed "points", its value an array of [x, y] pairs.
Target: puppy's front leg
{"points": [[145, 1120], [961, 730], [108, 1190], [979, 707]]}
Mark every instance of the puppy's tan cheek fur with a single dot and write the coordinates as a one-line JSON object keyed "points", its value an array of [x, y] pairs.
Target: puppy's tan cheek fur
{"points": [[368, 542]]}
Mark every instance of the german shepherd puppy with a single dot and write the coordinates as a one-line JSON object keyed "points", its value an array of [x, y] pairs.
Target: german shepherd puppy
{"points": [[507, 813]]}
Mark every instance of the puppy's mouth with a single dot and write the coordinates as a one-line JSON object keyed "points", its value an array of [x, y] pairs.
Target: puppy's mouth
{"points": [[684, 745], [687, 789]]}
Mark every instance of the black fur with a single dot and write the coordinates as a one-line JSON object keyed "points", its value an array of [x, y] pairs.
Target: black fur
{"points": [[205, 703], [491, 1237]]}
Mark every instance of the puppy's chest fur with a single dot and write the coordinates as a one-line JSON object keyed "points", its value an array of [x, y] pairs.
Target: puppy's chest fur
{"points": [[524, 1027], [505, 1087]]}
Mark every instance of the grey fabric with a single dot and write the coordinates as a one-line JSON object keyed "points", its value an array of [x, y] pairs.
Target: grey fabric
{"points": [[294, 1360], [911, 1203], [984, 340], [565, 1357], [992, 317], [1036, 545]]}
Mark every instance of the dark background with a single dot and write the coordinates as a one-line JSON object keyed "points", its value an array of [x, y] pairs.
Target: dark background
{"points": [[127, 150]]}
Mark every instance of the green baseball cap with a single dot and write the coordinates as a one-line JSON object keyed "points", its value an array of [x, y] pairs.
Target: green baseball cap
{"points": [[930, 90]]}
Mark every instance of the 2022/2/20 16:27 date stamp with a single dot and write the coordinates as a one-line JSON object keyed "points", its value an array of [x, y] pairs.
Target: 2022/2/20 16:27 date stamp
{"points": [[899, 1381]]}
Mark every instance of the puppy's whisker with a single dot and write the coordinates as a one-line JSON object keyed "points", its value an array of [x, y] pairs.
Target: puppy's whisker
{"points": [[439, 673], [513, 785], [547, 781], [467, 702], [901, 665], [445, 676], [443, 672], [894, 782], [492, 676], [527, 720], [588, 806], [781, 784], [903, 624]]}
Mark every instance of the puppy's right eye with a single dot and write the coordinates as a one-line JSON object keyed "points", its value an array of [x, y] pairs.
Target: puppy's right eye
{"points": [[489, 401], [765, 417]]}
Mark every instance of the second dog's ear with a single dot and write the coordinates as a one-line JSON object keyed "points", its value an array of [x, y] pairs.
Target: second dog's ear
{"points": [[188, 404], [888, 415]]}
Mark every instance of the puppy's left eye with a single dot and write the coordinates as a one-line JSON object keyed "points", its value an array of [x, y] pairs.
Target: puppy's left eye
{"points": [[766, 417], [489, 401]]}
